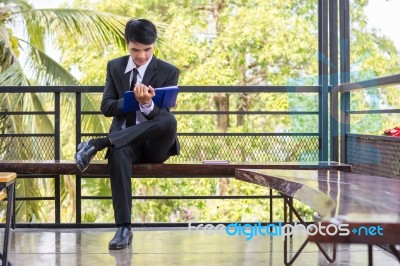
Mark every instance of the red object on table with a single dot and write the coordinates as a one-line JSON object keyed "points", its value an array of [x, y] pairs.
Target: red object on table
{"points": [[394, 132]]}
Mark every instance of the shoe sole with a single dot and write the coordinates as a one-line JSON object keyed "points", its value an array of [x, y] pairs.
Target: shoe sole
{"points": [[81, 169], [81, 146]]}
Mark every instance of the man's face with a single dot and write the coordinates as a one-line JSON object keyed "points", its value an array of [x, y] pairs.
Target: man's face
{"points": [[140, 53]]}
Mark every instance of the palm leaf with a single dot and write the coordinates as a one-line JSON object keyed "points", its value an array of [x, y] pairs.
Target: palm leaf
{"points": [[13, 76], [29, 211], [7, 55], [17, 4], [85, 26], [36, 34], [92, 123], [44, 69]]}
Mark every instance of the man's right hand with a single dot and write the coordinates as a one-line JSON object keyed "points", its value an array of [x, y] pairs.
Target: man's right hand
{"points": [[143, 94]]}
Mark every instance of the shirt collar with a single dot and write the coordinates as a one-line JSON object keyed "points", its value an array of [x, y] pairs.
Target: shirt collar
{"points": [[131, 65]]}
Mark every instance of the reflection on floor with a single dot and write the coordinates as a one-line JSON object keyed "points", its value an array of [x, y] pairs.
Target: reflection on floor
{"points": [[171, 246]]}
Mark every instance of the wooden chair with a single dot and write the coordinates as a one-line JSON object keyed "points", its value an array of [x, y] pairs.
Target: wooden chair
{"points": [[7, 185]]}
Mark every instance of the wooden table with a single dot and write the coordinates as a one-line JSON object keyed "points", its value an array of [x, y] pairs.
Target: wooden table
{"points": [[368, 206]]}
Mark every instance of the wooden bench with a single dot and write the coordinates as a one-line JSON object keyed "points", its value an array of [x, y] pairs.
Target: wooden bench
{"points": [[7, 183], [367, 206], [35, 168], [68, 167]]}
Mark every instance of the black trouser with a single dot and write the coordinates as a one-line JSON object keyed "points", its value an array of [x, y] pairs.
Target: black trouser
{"points": [[148, 142]]}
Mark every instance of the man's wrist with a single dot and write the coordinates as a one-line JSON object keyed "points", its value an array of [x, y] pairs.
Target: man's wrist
{"points": [[146, 105]]}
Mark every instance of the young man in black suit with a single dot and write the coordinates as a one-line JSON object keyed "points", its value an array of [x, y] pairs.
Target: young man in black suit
{"points": [[144, 136]]}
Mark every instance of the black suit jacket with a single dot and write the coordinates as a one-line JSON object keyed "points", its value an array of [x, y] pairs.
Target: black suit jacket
{"points": [[158, 74]]}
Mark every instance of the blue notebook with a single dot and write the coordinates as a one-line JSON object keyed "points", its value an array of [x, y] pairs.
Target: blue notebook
{"points": [[165, 98]]}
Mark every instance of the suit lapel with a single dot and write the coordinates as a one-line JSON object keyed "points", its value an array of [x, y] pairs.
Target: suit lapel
{"points": [[150, 71], [126, 85]]}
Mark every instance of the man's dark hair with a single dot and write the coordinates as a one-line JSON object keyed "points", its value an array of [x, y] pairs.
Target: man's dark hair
{"points": [[141, 31]]}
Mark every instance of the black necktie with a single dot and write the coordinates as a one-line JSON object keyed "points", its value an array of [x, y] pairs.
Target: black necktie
{"points": [[134, 79], [130, 120]]}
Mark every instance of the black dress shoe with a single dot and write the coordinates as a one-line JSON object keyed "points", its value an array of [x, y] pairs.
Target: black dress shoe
{"points": [[121, 239], [84, 155]]}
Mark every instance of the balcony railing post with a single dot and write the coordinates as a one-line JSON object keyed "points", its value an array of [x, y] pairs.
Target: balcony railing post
{"points": [[57, 151], [78, 127], [323, 78], [334, 76], [344, 74]]}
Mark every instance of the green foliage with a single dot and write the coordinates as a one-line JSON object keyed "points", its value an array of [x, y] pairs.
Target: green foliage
{"points": [[24, 61]]}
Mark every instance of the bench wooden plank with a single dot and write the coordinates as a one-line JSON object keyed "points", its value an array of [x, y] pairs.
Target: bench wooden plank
{"points": [[196, 169], [6, 177], [340, 198]]}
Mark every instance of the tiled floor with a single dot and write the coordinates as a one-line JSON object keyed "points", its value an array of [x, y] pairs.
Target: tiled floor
{"points": [[173, 246]]}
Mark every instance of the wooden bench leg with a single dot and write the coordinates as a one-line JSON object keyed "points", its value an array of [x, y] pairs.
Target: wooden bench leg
{"points": [[370, 257], [13, 209], [9, 214]]}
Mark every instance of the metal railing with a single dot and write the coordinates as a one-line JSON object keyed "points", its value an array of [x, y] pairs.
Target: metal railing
{"points": [[246, 146], [369, 154]]}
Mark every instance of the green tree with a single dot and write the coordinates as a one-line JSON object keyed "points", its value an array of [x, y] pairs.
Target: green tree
{"points": [[24, 60], [39, 25], [372, 55]]}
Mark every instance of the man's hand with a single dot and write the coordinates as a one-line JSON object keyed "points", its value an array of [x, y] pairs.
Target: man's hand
{"points": [[143, 94]]}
